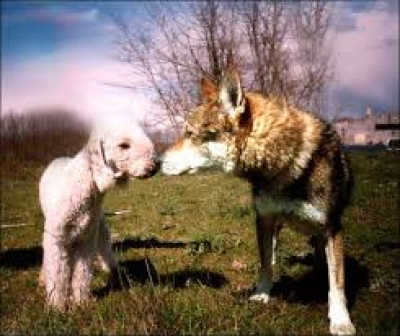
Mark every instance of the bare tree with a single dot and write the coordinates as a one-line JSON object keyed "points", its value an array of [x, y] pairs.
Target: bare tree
{"points": [[173, 47], [281, 46], [310, 27], [266, 29], [289, 54]]}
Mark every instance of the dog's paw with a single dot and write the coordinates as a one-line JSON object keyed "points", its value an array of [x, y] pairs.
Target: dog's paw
{"points": [[57, 304], [82, 299], [342, 328], [261, 297]]}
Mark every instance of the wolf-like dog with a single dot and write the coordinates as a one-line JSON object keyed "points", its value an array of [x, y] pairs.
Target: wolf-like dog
{"points": [[292, 159]]}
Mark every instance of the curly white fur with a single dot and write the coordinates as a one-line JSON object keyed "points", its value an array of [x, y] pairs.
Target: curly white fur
{"points": [[71, 193]]}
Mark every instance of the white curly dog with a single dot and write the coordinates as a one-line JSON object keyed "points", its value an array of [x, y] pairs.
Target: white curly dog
{"points": [[71, 191]]}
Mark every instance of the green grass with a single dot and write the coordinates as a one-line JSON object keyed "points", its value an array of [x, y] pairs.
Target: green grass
{"points": [[188, 251]]}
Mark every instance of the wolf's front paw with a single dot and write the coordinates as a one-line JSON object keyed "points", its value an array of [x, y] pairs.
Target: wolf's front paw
{"points": [[261, 293], [262, 297]]}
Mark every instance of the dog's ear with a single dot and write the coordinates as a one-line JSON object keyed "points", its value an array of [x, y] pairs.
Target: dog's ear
{"points": [[108, 163], [102, 151], [231, 93], [208, 90]]}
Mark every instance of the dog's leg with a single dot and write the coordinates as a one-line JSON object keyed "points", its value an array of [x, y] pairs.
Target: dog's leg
{"points": [[106, 257], [56, 272], [340, 323], [265, 237], [82, 271]]}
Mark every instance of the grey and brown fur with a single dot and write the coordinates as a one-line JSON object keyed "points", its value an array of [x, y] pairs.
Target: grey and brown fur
{"points": [[294, 163]]}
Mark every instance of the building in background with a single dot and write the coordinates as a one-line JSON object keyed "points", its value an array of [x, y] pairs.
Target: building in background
{"points": [[372, 129]]}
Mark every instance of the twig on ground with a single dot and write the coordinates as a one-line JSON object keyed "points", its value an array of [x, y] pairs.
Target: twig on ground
{"points": [[116, 213], [6, 226]]}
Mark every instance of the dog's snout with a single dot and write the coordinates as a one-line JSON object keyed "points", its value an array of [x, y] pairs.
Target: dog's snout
{"points": [[149, 169]]}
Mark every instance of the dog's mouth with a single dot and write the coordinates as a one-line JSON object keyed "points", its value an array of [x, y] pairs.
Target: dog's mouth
{"points": [[121, 178], [145, 172]]}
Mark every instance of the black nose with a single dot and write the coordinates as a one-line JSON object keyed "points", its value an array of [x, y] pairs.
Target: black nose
{"points": [[154, 168], [151, 171]]}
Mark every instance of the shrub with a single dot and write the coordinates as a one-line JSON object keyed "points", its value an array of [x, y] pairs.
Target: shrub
{"points": [[41, 136]]}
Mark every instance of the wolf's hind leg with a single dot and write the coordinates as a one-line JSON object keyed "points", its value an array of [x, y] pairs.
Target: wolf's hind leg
{"points": [[340, 323]]}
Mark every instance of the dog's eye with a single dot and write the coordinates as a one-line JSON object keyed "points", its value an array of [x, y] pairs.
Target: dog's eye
{"points": [[124, 145]]}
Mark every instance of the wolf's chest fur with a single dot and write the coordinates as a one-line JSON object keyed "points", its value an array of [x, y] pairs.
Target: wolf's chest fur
{"points": [[292, 159]]}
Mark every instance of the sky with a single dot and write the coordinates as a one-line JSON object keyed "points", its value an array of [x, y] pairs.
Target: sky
{"points": [[62, 54]]}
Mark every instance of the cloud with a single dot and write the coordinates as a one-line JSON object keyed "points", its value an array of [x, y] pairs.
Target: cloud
{"points": [[77, 24], [75, 79], [75, 73], [367, 54], [52, 15], [75, 76]]}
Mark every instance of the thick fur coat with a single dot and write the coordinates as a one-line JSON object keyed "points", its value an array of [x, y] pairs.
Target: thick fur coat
{"points": [[294, 163], [71, 192]]}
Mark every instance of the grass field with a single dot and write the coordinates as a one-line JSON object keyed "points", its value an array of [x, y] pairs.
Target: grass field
{"points": [[188, 255]]}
